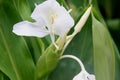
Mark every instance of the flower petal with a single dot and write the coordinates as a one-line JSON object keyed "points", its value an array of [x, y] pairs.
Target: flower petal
{"points": [[78, 77], [26, 28], [83, 75], [44, 10], [91, 77], [63, 23]]}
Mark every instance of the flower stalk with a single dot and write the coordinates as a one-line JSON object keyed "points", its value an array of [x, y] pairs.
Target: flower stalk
{"points": [[83, 75]]}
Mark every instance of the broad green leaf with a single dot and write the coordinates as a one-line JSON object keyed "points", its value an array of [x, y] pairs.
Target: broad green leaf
{"points": [[104, 54], [15, 59], [117, 63], [36, 47], [47, 63], [22, 6]]}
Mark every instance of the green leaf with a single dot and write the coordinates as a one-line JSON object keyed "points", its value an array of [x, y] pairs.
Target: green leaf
{"points": [[117, 63], [36, 47], [47, 63], [22, 6], [15, 59], [104, 54]]}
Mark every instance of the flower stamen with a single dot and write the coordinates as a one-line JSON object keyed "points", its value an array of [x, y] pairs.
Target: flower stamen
{"points": [[52, 19]]}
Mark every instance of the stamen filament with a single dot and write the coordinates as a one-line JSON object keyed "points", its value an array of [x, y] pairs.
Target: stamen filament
{"points": [[69, 10], [53, 40], [52, 19]]}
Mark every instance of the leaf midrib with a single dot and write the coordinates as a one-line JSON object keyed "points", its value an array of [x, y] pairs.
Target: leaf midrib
{"points": [[10, 56]]}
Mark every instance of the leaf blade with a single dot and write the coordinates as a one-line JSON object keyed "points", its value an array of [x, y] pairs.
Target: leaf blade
{"points": [[15, 58], [104, 54]]}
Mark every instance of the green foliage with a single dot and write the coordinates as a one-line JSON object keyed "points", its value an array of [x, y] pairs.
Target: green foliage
{"points": [[22, 6], [28, 58], [47, 63], [104, 54], [82, 47], [15, 59]]}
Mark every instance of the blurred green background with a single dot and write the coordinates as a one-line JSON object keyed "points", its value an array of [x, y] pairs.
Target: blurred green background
{"points": [[24, 51]]}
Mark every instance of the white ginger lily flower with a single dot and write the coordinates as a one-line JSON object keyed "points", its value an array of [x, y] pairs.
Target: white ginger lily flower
{"points": [[50, 18], [83, 75]]}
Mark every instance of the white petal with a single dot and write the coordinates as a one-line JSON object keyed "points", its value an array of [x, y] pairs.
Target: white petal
{"points": [[78, 77], [26, 28], [83, 75], [63, 22], [91, 77], [44, 10]]}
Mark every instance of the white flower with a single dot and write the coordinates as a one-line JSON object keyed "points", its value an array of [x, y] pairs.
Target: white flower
{"points": [[83, 75], [50, 18]]}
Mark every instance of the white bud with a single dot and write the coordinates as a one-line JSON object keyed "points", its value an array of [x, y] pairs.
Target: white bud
{"points": [[82, 21], [83, 75], [78, 26]]}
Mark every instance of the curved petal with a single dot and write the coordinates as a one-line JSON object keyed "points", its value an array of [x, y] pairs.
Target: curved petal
{"points": [[55, 17], [63, 22], [83, 75], [44, 10], [78, 77], [26, 28], [91, 77]]}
